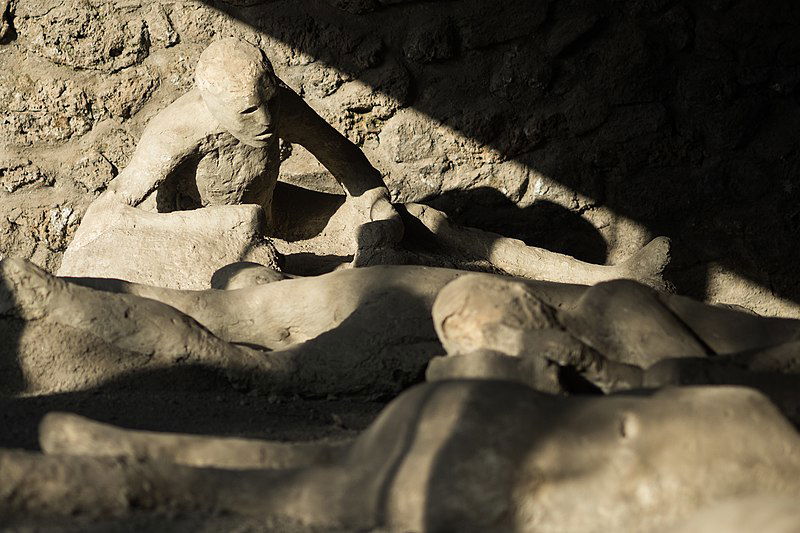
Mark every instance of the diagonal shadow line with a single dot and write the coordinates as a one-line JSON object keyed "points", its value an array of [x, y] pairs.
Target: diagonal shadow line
{"points": [[667, 196]]}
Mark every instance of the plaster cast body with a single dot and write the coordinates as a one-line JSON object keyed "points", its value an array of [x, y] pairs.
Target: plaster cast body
{"points": [[219, 145], [358, 330], [514, 257], [459, 455], [617, 335], [348, 331]]}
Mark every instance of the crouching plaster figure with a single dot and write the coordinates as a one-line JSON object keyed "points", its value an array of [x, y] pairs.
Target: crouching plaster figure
{"points": [[218, 145], [449, 456], [197, 194]]}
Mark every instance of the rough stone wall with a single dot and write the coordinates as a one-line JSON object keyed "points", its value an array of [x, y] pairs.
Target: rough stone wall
{"points": [[587, 127]]}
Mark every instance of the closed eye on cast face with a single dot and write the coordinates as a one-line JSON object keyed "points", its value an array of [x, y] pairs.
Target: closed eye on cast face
{"points": [[249, 110]]}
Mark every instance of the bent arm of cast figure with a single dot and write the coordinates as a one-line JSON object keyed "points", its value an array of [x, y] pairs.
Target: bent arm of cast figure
{"points": [[631, 323], [561, 348], [363, 184], [680, 341], [299, 123], [170, 137]]}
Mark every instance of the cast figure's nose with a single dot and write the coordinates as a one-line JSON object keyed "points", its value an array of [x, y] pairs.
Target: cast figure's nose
{"points": [[261, 116]]}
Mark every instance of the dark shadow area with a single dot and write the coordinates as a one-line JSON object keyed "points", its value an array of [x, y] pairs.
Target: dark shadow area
{"points": [[313, 264], [175, 401], [679, 116], [299, 213], [574, 383], [7, 31], [178, 193], [780, 385], [12, 380], [543, 224]]}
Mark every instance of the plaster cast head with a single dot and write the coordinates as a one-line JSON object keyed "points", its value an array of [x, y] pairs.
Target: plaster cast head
{"points": [[468, 310], [237, 83]]}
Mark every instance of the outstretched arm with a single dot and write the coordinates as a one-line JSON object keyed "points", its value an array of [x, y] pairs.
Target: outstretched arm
{"points": [[170, 137], [299, 123]]}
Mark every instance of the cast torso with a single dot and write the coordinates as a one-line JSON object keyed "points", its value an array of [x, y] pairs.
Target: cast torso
{"points": [[223, 172]]}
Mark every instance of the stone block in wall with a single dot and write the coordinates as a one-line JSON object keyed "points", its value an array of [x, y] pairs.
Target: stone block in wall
{"points": [[583, 111], [571, 20], [37, 227], [18, 172], [124, 95], [382, 90], [524, 72], [39, 108], [82, 34], [354, 6], [159, 26], [483, 24], [431, 41], [98, 157]]}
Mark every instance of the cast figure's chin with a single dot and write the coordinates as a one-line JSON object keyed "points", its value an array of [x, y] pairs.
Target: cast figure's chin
{"points": [[260, 141]]}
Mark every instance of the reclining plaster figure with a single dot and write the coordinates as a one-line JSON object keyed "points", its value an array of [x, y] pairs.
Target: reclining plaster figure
{"points": [[333, 333], [360, 330], [449, 456], [617, 335]]}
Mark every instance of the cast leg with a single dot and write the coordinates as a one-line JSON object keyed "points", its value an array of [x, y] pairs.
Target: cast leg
{"points": [[104, 487], [69, 434], [518, 259]]}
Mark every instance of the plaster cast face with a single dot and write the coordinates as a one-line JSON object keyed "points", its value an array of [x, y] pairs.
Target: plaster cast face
{"points": [[248, 117], [237, 85]]}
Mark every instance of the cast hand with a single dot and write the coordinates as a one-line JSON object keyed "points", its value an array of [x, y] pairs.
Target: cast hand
{"points": [[383, 227]]}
